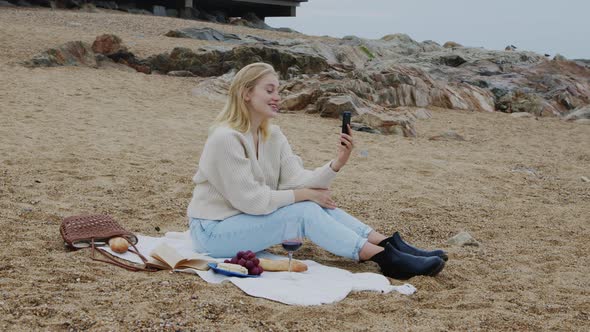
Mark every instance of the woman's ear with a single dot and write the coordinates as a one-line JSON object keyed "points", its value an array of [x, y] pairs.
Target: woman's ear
{"points": [[246, 95]]}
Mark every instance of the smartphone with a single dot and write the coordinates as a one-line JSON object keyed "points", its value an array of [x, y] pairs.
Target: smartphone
{"points": [[345, 122]]}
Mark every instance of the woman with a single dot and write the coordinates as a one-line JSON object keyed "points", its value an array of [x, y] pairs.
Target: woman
{"points": [[250, 183]]}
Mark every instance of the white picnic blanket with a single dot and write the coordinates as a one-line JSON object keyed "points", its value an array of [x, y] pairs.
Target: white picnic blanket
{"points": [[320, 284]]}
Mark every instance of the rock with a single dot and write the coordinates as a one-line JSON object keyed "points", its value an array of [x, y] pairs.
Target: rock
{"points": [[75, 53], [521, 115], [404, 38], [332, 107], [582, 121], [577, 114], [452, 60], [388, 124], [430, 46], [510, 48], [299, 101], [203, 34], [264, 41], [216, 63], [284, 29], [239, 22], [255, 21], [108, 44], [463, 239], [250, 19], [364, 128], [220, 16], [215, 88], [452, 44], [526, 170], [402, 41], [585, 179], [559, 57], [129, 59], [520, 101], [422, 114], [416, 113], [447, 136], [181, 73]]}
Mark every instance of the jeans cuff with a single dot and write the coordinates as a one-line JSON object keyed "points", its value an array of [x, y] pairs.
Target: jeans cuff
{"points": [[366, 231], [357, 248]]}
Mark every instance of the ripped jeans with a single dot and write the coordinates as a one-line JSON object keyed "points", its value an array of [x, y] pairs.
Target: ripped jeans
{"points": [[332, 229]]}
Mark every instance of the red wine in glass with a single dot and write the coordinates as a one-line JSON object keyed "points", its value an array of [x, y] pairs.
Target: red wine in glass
{"points": [[291, 246], [292, 239]]}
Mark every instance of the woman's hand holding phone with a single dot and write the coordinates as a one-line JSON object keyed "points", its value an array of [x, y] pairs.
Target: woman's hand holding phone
{"points": [[345, 144]]}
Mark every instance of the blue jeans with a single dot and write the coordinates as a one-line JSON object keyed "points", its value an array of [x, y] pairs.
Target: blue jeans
{"points": [[334, 230]]}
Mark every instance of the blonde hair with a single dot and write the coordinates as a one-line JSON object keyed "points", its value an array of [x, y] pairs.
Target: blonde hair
{"points": [[235, 113]]}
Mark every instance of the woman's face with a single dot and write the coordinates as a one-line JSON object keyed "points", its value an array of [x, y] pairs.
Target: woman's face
{"points": [[263, 100]]}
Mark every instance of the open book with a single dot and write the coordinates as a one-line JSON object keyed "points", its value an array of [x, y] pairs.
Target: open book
{"points": [[164, 257]]}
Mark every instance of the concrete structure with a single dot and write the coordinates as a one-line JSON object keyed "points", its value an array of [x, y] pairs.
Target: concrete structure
{"points": [[236, 8]]}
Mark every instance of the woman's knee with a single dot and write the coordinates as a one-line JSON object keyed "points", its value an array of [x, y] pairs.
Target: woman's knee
{"points": [[303, 207], [309, 209]]}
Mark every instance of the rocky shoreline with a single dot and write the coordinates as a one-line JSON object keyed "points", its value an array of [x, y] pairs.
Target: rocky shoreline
{"points": [[387, 83]]}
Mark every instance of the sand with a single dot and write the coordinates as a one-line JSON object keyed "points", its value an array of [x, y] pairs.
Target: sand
{"points": [[81, 140]]}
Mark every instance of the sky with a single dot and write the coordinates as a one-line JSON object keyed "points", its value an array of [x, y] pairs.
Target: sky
{"points": [[541, 26]]}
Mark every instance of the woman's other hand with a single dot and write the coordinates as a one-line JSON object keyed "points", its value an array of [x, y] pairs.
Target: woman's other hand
{"points": [[345, 146], [323, 197]]}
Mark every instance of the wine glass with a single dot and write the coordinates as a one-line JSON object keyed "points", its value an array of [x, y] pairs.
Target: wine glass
{"points": [[292, 239]]}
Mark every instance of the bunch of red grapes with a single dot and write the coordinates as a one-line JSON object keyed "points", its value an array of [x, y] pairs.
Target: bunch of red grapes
{"points": [[248, 260]]}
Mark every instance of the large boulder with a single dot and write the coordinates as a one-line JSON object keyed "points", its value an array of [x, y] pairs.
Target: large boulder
{"points": [[74, 53], [333, 106], [300, 101], [388, 124], [215, 63], [108, 44]]}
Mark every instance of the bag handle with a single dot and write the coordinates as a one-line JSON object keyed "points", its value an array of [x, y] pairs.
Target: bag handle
{"points": [[126, 266]]}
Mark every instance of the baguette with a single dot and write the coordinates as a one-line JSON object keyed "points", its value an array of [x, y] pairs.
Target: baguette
{"points": [[282, 265]]}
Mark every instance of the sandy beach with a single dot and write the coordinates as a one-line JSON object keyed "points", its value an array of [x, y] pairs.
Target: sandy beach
{"points": [[79, 140]]}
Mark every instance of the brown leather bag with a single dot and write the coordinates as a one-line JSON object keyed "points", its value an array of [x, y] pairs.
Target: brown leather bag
{"points": [[96, 230]]}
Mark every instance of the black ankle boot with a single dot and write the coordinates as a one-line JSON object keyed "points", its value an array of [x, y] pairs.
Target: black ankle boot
{"points": [[399, 244], [402, 266]]}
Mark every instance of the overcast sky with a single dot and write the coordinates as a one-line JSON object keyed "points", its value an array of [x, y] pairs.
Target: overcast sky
{"points": [[542, 26]]}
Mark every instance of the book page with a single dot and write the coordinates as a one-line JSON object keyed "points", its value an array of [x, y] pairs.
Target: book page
{"points": [[152, 262], [195, 261], [166, 254]]}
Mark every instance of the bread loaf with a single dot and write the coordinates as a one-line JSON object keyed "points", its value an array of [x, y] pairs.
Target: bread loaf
{"points": [[282, 265], [119, 245]]}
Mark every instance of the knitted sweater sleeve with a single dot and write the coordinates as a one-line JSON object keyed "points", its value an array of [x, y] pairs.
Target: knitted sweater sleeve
{"points": [[293, 175], [226, 166]]}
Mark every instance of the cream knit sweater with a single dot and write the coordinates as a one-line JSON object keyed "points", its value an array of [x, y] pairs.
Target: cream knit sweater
{"points": [[231, 180]]}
